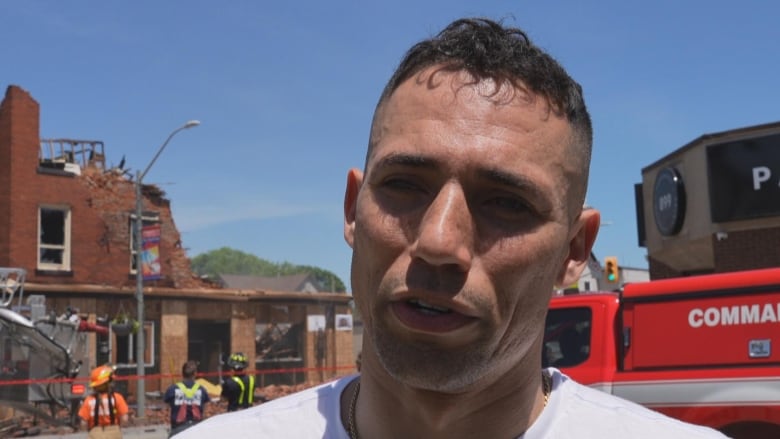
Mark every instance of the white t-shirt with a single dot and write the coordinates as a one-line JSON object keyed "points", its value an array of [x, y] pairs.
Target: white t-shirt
{"points": [[573, 411], [578, 411]]}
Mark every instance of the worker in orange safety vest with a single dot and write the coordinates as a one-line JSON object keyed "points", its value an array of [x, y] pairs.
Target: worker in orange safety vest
{"points": [[104, 410]]}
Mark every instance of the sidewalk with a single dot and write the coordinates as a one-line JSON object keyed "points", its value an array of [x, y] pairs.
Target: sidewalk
{"points": [[146, 432]]}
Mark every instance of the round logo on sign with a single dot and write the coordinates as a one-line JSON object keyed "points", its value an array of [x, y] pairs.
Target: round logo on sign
{"points": [[668, 201]]}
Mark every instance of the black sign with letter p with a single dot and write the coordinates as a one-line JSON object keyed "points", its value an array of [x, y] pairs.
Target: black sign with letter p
{"points": [[744, 178]]}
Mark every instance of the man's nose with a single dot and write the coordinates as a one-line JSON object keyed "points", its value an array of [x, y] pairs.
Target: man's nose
{"points": [[446, 232]]}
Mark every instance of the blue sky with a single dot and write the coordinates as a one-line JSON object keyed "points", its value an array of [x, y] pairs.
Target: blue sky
{"points": [[285, 93]]}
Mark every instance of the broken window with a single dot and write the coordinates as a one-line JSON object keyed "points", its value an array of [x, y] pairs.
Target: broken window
{"points": [[123, 347], [148, 220], [277, 341], [54, 238]]}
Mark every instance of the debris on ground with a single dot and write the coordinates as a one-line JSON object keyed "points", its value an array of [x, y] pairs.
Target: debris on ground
{"points": [[157, 413]]}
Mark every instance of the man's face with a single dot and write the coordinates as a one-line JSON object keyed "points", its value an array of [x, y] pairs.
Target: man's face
{"points": [[460, 227]]}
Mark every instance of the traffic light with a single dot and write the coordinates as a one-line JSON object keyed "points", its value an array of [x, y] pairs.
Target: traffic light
{"points": [[611, 270]]}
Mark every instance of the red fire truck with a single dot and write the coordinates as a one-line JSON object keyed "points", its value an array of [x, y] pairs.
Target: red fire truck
{"points": [[696, 348]]}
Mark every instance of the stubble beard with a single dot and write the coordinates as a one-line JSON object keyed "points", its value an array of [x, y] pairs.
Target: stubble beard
{"points": [[429, 367]]}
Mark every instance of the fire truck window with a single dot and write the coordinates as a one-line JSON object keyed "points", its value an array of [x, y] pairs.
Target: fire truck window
{"points": [[566, 337]]}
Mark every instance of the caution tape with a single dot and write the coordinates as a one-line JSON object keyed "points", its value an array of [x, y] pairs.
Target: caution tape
{"points": [[119, 377]]}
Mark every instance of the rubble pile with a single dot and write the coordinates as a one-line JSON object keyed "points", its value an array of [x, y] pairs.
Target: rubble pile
{"points": [[111, 193], [157, 413]]}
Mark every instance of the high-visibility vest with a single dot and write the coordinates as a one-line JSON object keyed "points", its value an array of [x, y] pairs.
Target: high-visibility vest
{"points": [[250, 392], [192, 404], [97, 400]]}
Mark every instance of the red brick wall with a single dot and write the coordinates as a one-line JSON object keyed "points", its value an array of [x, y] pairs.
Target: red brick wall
{"points": [[741, 250], [100, 203], [18, 133], [5, 178], [747, 249], [659, 270]]}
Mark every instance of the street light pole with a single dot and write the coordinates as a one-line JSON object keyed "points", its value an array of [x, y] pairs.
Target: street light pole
{"points": [[139, 276]]}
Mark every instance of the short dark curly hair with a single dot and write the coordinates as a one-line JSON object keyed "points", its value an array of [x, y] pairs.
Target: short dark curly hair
{"points": [[189, 369], [487, 50]]}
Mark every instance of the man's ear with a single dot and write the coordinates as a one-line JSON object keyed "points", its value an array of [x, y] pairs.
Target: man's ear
{"points": [[354, 181], [580, 246]]}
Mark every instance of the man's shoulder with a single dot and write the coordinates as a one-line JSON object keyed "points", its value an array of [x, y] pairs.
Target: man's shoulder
{"points": [[230, 385], [171, 390], [313, 412]]}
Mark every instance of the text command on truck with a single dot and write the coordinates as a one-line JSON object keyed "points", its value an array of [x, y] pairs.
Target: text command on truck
{"points": [[696, 348]]}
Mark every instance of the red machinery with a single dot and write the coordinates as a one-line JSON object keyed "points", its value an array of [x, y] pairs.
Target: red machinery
{"points": [[40, 354]]}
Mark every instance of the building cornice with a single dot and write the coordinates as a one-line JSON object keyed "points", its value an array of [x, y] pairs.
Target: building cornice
{"points": [[222, 294]]}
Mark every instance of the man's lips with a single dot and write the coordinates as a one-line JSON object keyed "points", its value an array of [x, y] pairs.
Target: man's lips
{"points": [[423, 316]]}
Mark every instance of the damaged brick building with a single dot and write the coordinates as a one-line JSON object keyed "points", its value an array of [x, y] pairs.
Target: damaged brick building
{"points": [[67, 220]]}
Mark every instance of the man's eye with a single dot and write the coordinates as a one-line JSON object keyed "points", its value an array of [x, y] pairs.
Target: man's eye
{"points": [[400, 195], [509, 209], [508, 204], [400, 184]]}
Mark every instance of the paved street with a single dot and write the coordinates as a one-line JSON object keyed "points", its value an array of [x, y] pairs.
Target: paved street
{"points": [[146, 432]]}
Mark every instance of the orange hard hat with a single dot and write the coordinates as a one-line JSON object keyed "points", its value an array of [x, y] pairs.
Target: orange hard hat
{"points": [[100, 375]]}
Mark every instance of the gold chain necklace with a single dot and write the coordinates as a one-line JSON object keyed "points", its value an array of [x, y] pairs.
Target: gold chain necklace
{"points": [[546, 387], [351, 418], [352, 409]]}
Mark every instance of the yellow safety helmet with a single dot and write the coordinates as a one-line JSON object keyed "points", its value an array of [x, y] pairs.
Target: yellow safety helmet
{"points": [[238, 361], [101, 375]]}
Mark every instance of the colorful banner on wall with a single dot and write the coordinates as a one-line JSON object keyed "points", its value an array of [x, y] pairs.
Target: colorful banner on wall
{"points": [[150, 255]]}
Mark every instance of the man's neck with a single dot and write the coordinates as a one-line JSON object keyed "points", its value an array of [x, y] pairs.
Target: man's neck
{"points": [[506, 407]]}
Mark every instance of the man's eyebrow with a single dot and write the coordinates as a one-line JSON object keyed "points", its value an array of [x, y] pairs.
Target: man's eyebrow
{"points": [[410, 160], [511, 180]]}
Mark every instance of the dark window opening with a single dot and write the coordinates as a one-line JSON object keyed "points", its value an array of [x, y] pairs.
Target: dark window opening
{"points": [[566, 337], [53, 238]]}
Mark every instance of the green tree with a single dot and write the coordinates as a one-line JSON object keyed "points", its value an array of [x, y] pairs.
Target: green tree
{"points": [[226, 260]]}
